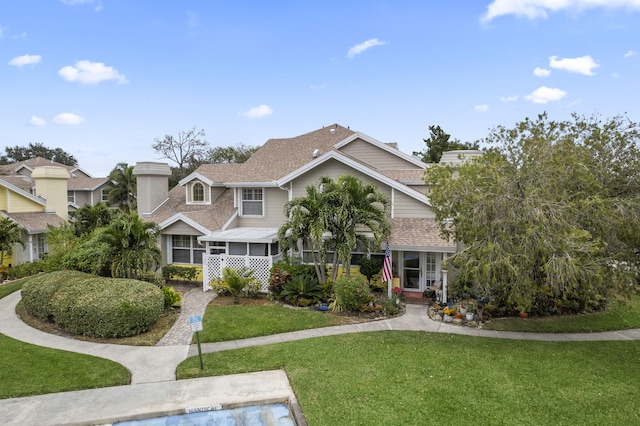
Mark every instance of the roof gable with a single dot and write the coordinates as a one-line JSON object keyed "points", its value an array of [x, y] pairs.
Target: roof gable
{"points": [[336, 155], [382, 146]]}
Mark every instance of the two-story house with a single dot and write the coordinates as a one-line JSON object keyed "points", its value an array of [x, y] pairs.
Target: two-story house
{"points": [[229, 214], [82, 188], [34, 204]]}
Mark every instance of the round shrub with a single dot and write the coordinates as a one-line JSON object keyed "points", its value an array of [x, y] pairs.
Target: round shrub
{"points": [[352, 293], [38, 291], [102, 307]]}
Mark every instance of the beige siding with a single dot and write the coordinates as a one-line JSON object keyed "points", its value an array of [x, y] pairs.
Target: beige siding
{"points": [[333, 169], [423, 189], [216, 192], [15, 203], [275, 199], [405, 206], [376, 157], [180, 228], [83, 198]]}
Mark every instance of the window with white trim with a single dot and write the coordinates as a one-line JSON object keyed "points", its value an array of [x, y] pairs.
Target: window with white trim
{"points": [[71, 197], [186, 249], [252, 202], [104, 195]]}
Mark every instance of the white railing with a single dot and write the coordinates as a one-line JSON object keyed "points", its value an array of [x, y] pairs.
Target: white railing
{"points": [[213, 264]]}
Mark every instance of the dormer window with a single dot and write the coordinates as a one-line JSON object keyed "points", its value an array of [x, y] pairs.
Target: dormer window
{"points": [[197, 193]]}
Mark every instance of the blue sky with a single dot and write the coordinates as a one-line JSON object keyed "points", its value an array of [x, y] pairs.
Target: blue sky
{"points": [[102, 78]]}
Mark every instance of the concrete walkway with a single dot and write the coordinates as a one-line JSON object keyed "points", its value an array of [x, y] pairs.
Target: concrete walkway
{"points": [[152, 365]]}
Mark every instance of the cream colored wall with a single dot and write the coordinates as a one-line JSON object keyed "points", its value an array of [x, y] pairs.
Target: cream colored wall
{"points": [[51, 183], [423, 189], [275, 199], [376, 157]]}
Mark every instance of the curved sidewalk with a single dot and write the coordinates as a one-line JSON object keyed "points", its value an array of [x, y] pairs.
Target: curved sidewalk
{"points": [[149, 364]]}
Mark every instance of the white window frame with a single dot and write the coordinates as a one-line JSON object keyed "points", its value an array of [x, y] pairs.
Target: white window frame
{"points": [[254, 191], [192, 249], [104, 195], [71, 197], [206, 192]]}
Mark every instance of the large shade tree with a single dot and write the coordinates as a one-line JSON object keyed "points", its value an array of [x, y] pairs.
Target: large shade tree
{"points": [[20, 153], [548, 217], [336, 216], [438, 142]]}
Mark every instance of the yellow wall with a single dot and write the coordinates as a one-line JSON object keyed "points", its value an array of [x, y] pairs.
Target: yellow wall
{"points": [[16, 203]]}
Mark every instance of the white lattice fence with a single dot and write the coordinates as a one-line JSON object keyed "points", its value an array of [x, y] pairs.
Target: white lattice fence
{"points": [[260, 265]]}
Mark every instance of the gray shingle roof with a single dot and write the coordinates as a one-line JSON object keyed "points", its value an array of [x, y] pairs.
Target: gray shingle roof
{"points": [[36, 222], [417, 233]]}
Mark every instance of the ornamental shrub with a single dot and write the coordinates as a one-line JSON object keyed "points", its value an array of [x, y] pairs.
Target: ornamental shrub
{"points": [[171, 297], [38, 292], [352, 292], [94, 306]]}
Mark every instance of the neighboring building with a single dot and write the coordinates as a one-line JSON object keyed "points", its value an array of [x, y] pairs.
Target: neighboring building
{"points": [[229, 214], [82, 188], [34, 206], [39, 192]]}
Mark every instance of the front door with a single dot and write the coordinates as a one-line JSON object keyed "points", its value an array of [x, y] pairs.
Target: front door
{"points": [[419, 270]]}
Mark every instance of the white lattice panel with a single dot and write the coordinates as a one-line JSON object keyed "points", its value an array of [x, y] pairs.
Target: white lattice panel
{"points": [[214, 264]]}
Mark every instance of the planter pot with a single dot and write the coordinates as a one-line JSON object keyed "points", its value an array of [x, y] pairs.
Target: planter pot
{"points": [[523, 315], [463, 311], [469, 316]]}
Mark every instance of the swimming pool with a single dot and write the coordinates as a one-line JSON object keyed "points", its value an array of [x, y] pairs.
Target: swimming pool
{"points": [[256, 415]]}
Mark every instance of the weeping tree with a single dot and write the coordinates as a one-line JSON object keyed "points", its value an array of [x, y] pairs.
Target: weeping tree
{"points": [[548, 217], [336, 216]]}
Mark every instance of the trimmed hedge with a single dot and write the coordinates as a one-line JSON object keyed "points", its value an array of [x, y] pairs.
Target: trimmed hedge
{"points": [[38, 292], [94, 306]]}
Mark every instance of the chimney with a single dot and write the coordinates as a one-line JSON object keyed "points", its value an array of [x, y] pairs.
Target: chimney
{"points": [[51, 184], [152, 182]]}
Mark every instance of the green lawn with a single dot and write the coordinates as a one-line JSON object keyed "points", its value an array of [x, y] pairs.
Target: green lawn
{"points": [[622, 315], [27, 369], [221, 323], [401, 378]]}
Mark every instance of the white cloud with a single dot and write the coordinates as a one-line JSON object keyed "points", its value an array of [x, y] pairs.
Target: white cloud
{"points": [[544, 95], [37, 121], [541, 72], [509, 98], [1, 32], [582, 65], [87, 72], [68, 118], [481, 108], [20, 61], [534, 9], [359, 48], [630, 54], [20, 36], [97, 8], [258, 112]]}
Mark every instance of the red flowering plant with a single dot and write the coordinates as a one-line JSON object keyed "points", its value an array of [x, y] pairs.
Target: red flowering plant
{"points": [[397, 291]]}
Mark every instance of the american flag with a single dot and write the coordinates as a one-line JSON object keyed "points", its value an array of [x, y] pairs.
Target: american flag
{"points": [[386, 266]]}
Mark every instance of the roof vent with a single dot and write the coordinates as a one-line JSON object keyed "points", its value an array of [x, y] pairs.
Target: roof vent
{"points": [[332, 131], [315, 153]]}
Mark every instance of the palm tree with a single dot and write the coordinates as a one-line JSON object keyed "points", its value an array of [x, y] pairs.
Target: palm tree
{"points": [[336, 215], [123, 194], [306, 224], [133, 246], [355, 210], [10, 235], [236, 280]]}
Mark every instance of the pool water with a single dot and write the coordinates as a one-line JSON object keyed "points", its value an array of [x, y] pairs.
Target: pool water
{"points": [[257, 415]]}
